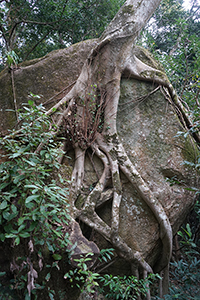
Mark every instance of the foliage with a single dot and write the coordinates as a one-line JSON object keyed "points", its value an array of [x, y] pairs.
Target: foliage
{"points": [[126, 287], [173, 36], [185, 273], [33, 207], [187, 240], [84, 278], [114, 287], [34, 28], [12, 58]]}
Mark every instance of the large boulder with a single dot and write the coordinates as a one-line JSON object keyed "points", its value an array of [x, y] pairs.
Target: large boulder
{"points": [[147, 126], [44, 76]]}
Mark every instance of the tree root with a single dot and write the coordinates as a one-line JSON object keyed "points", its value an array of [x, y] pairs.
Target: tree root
{"points": [[114, 158]]}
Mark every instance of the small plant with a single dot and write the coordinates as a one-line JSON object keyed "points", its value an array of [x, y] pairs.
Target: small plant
{"points": [[185, 273], [82, 276], [12, 58], [185, 280], [187, 241], [33, 205], [113, 287], [126, 287]]}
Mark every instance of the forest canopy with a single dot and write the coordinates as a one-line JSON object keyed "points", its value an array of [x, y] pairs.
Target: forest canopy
{"points": [[34, 28]]}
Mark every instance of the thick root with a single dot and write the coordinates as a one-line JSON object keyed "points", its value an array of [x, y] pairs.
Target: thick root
{"points": [[78, 171]]}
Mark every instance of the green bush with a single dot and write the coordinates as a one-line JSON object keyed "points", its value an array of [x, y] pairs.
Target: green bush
{"points": [[33, 205]]}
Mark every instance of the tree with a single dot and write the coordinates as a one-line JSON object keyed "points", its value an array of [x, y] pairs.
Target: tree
{"points": [[89, 113], [34, 28], [173, 37]]}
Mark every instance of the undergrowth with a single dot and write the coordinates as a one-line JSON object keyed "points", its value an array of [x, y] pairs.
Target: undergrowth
{"points": [[33, 208]]}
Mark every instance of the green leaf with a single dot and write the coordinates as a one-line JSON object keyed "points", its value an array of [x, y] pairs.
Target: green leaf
{"points": [[6, 214], [51, 296], [31, 198], [2, 237], [31, 186], [50, 247], [17, 240], [32, 226], [14, 208], [24, 234], [3, 185], [189, 230], [48, 276], [30, 205], [32, 163], [8, 228], [3, 205], [12, 216], [59, 234], [10, 236], [30, 102], [21, 227], [180, 233], [57, 256], [20, 221], [55, 264], [27, 297]]}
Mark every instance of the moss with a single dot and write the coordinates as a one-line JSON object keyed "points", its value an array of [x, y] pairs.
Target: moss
{"points": [[190, 151], [80, 202], [128, 9], [113, 154], [115, 139], [154, 74], [117, 183], [146, 57], [122, 159]]}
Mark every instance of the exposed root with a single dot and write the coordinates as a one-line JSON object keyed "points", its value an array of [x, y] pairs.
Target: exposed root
{"points": [[121, 160], [148, 295], [164, 284], [78, 171], [145, 193], [111, 152]]}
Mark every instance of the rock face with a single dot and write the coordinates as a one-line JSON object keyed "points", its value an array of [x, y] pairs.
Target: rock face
{"points": [[45, 76], [148, 128], [147, 125]]}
